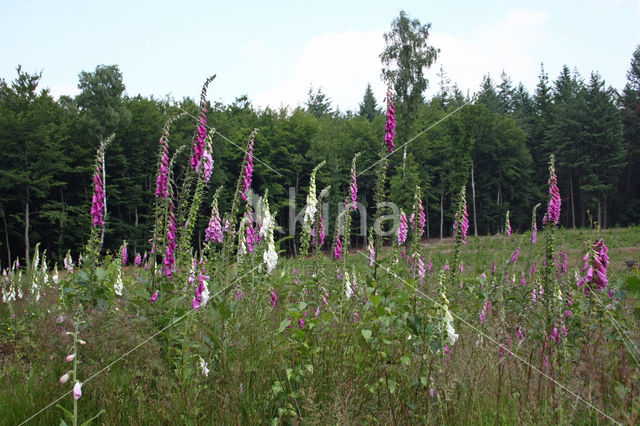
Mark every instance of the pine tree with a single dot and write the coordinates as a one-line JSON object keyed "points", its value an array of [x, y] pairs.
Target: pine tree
{"points": [[505, 94], [630, 103], [369, 106]]}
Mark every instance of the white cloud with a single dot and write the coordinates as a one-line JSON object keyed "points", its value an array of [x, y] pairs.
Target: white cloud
{"points": [[340, 63], [516, 43], [343, 63]]}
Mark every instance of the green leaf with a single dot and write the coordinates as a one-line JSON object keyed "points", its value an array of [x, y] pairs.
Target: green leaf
{"points": [[366, 334], [283, 325], [375, 299], [405, 360], [632, 284], [68, 414]]}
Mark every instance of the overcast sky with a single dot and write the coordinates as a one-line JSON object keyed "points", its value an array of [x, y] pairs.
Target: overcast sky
{"points": [[273, 51]]}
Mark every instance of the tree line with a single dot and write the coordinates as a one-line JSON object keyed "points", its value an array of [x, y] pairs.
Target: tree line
{"points": [[497, 142]]}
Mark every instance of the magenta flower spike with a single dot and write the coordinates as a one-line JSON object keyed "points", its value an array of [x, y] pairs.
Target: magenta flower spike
{"points": [[515, 255], [390, 127], [486, 308], [251, 234], [98, 199], [137, 260], [248, 172], [214, 230], [154, 298], [321, 232], [403, 229], [274, 298], [354, 187], [125, 254], [337, 252], [199, 143], [162, 181], [555, 202]]}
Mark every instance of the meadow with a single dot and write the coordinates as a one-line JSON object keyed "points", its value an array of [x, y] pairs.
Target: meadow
{"points": [[535, 327]]}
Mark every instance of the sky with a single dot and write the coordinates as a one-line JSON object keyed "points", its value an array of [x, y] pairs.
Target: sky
{"points": [[274, 51]]}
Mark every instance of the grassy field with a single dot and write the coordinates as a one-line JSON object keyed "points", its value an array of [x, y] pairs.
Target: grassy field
{"points": [[317, 355]]}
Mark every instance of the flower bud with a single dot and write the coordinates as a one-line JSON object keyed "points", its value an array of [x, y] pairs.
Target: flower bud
{"points": [[70, 358], [64, 379]]}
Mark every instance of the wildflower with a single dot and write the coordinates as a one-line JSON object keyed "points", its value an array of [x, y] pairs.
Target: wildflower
{"points": [[70, 357], [534, 224], [519, 334], [137, 260], [55, 277], [555, 202], [420, 267], [269, 256], [554, 334], [214, 230], [348, 289], [118, 286], [523, 282], [533, 269], [125, 254], [390, 127], [337, 252], [403, 229], [64, 378], [596, 263], [68, 262], [507, 225], [162, 190], [202, 292], [446, 266], [251, 233], [154, 297], [354, 184], [98, 199], [372, 252], [493, 267], [564, 331], [514, 256], [312, 201], [452, 337], [483, 314], [77, 391], [461, 223], [248, 168], [199, 143], [207, 160], [204, 367], [274, 298]]}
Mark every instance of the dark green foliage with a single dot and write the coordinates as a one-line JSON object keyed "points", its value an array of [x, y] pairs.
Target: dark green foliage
{"points": [[369, 106], [504, 138]]}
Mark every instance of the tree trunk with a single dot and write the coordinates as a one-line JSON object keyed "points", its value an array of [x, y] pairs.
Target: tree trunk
{"points": [[427, 209], [441, 214], [473, 194], [135, 224], [604, 216], [599, 214], [6, 236], [27, 257], [573, 209]]}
